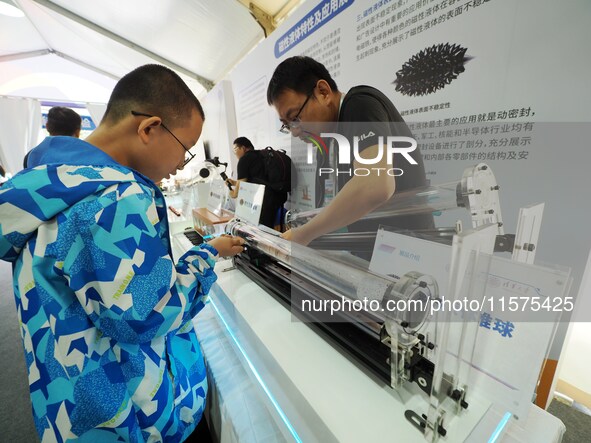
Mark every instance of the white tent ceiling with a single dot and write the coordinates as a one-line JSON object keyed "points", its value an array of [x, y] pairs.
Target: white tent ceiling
{"points": [[76, 50]]}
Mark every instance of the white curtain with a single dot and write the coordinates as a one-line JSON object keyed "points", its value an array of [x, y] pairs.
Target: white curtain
{"points": [[20, 123], [96, 111]]}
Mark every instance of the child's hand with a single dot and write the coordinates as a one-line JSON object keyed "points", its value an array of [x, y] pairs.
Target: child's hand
{"points": [[227, 245]]}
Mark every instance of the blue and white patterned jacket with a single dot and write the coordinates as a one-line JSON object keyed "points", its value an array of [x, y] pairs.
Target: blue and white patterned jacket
{"points": [[105, 313]]}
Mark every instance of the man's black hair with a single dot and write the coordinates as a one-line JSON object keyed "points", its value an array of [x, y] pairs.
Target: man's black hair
{"points": [[300, 74], [155, 90], [244, 142], [63, 121]]}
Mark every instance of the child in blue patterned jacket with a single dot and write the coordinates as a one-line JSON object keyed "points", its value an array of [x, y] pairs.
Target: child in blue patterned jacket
{"points": [[106, 315]]}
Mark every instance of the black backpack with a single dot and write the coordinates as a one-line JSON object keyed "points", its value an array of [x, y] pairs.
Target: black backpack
{"points": [[280, 172]]}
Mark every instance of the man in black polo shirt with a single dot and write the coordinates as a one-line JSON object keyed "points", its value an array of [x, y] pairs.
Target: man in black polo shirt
{"points": [[309, 103], [251, 169]]}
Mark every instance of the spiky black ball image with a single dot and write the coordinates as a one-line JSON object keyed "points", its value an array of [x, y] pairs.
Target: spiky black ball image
{"points": [[431, 69]]}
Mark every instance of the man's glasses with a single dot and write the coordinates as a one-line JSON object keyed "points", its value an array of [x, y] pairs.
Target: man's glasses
{"points": [[188, 155], [295, 122]]}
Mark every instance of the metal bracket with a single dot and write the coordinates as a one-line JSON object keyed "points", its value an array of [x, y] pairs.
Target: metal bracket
{"points": [[420, 422], [265, 20]]}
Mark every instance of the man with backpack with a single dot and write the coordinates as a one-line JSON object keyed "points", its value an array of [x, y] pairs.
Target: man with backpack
{"points": [[267, 167]]}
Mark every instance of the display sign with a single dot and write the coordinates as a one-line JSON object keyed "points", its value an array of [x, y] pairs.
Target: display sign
{"points": [[512, 308], [396, 254], [217, 195], [249, 202], [201, 194]]}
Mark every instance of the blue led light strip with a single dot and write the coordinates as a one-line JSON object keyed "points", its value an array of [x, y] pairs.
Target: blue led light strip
{"points": [[258, 376], [500, 427]]}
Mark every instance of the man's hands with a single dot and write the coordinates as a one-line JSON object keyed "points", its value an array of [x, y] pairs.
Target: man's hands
{"points": [[235, 187], [227, 245], [360, 196], [298, 235]]}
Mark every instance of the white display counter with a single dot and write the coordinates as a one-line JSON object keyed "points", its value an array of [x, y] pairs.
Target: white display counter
{"points": [[273, 378]]}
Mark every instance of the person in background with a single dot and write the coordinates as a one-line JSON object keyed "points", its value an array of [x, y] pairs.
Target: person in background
{"points": [[106, 314], [251, 169], [309, 103], [60, 121], [63, 121]]}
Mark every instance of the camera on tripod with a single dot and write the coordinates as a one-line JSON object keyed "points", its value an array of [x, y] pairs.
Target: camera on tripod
{"points": [[216, 162]]}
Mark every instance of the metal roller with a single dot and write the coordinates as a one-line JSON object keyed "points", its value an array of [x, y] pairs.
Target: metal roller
{"points": [[340, 278]]}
